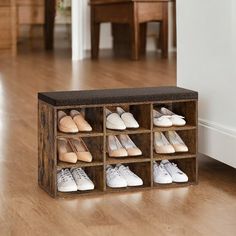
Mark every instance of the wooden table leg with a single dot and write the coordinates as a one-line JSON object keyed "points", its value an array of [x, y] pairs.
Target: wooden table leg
{"points": [[143, 38], [164, 31], [95, 36], [135, 34], [50, 10]]}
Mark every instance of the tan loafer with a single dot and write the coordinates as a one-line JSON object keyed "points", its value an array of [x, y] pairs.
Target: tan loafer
{"points": [[65, 123], [114, 147], [79, 120], [129, 145], [81, 150], [65, 152]]}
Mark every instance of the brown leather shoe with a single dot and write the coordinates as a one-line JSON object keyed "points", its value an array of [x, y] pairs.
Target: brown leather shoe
{"points": [[65, 123], [79, 120], [65, 153], [81, 150]]}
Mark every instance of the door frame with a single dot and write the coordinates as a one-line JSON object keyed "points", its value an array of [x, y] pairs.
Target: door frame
{"points": [[78, 16]]}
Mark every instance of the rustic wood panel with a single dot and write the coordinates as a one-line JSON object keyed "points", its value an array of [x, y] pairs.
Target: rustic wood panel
{"points": [[30, 2], [122, 13], [94, 116], [95, 146], [8, 26], [142, 141], [188, 166], [150, 11], [46, 148], [143, 170], [31, 14], [5, 3], [142, 114], [96, 175]]}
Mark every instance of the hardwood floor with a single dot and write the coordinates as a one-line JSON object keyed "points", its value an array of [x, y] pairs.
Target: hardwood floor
{"points": [[206, 209]]}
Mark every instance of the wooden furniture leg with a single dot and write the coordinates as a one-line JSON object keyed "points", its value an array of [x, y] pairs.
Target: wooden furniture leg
{"points": [[95, 36], [50, 10], [143, 38], [135, 34], [174, 23], [164, 32]]}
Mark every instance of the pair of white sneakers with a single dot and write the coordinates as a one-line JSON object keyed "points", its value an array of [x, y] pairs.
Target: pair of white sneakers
{"points": [[120, 120], [121, 176], [73, 180], [167, 172]]}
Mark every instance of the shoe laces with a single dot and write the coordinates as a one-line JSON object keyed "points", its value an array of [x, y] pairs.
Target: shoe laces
{"points": [[161, 168], [126, 170], [81, 174], [65, 176], [113, 172], [175, 168]]}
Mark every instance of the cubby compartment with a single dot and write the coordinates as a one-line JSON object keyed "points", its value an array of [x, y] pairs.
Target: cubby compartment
{"points": [[95, 146], [142, 170], [141, 113], [189, 167], [189, 137], [93, 115], [187, 109], [142, 141], [95, 173]]}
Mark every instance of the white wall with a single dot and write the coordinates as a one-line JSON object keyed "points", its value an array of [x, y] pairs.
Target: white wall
{"points": [[206, 62]]}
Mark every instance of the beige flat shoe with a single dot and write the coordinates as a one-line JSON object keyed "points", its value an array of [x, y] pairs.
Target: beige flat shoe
{"points": [[65, 152], [161, 144], [65, 123], [176, 141], [114, 147], [129, 145], [81, 150], [79, 120]]}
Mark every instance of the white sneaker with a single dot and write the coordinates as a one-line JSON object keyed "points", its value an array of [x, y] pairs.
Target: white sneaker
{"points": [[161, 144], [127, 118], [160, 119], [131, 178], [114, 121], [65, 181], [176, 120], [161, 176], [176, 174], [81, 179], [176, 141], [114, 179]]}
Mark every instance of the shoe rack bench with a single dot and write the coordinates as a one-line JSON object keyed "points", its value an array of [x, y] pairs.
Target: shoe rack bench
{"points": [[140, 102]]}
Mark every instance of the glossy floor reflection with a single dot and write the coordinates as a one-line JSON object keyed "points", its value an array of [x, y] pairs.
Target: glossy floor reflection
{"points": [[206, 209]]}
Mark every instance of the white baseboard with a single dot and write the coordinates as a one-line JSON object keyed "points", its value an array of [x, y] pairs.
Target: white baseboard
{"points": [[218, 142]]}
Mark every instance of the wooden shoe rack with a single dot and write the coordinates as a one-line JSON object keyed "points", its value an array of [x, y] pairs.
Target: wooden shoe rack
{"points": [[140, 102]]}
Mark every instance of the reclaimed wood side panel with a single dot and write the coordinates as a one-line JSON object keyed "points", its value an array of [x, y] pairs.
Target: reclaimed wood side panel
{"points": [[46, 148]]}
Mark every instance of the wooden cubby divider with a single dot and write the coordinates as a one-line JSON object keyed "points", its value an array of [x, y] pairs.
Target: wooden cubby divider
{"points": [[140, 102]]}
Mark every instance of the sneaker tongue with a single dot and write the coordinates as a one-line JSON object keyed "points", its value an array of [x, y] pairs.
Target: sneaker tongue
{"points": [[164, 162], [108, 167]]}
